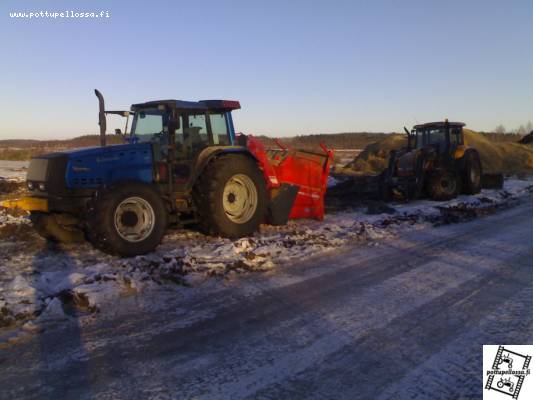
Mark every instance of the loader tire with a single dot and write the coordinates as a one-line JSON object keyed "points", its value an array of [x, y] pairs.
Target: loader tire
{"points": [[443, 185], [230, 197], [127, 219], [48, 226], [472, 174]]}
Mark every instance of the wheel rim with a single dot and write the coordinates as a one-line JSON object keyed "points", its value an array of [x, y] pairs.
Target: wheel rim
{"points": [[474, 175], [448, 184], [239, 198], [134, 219]]}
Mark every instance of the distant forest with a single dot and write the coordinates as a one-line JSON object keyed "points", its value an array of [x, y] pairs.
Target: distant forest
{"points": [[22, 149]]}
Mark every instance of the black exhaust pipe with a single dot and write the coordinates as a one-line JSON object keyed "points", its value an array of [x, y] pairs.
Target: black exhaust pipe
{"points": [[101, 117]]}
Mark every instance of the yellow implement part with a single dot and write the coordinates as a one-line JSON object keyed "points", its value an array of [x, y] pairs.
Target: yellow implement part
{"points": [[27, 203]]}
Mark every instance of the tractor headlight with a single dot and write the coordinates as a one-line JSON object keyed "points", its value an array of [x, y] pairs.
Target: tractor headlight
{"points": [[30, 185], [42, 186]]}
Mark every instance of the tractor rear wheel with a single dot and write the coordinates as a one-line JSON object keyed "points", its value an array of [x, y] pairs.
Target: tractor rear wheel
{"points": [[230, 196], [443, 185], [127, 219], [472, 174]]}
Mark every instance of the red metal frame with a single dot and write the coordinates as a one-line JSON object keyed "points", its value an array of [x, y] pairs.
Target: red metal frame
{"points": [[307, 170]]}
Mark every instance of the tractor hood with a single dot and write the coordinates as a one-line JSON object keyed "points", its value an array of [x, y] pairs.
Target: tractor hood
{"points": [[92, 167], [89, 168]]}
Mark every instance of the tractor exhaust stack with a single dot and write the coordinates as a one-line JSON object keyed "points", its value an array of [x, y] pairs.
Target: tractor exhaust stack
{"points": [[101, 117]]}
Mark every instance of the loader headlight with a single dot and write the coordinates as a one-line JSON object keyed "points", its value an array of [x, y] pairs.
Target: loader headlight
{"points": [[30, 185], [42, 186]]}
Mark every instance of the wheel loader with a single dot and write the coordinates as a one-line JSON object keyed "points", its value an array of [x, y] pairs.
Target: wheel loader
{"points": [[181, 164], [437, 163]]}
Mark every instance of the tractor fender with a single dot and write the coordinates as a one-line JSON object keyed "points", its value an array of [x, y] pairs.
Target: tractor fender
{"points": [[460, 163], [211, 153], [102, 189]]}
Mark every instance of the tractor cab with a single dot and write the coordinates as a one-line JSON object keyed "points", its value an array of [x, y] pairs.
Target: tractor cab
{"points": [[189, 125], [442, 136], [179, 132]]}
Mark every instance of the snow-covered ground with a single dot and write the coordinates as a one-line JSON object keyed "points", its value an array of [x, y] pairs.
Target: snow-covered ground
{"points": [[38, 282], [404, 320], [13, 170]]}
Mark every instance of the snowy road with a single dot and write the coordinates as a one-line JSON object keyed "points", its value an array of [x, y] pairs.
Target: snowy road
{"points": [[406, 319]]}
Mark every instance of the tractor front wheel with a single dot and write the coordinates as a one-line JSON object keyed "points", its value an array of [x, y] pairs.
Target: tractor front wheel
{"points": [[230, 196], [443, 185], [128, 219]]}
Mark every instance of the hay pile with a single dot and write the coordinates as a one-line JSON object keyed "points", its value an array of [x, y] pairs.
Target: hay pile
{"points": [[501, 157]]}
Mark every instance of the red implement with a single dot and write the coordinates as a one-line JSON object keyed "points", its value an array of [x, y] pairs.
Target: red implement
{"points": [[307, 171]]}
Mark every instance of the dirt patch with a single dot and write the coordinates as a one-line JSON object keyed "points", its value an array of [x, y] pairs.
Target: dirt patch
{"points": [[9, 187], [17, 232]]}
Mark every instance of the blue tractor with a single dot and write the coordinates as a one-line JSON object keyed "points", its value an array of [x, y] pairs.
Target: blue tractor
{"points": [[180, 164]]}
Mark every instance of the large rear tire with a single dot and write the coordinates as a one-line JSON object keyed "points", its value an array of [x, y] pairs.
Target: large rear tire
{"points": [[127, 219], [230, 196], [472, 174], [443, 185]]}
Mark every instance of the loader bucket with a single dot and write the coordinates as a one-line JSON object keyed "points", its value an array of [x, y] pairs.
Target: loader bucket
{"points": [[306, 170]]}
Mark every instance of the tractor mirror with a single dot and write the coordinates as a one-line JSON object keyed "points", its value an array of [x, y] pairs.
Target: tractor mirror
{"points": [[142, 115], [118, 131]]}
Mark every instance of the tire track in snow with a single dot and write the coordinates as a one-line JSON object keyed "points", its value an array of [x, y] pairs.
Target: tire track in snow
{"points": [[385, 355], [454, 372], [288, 365], [269, 345]]}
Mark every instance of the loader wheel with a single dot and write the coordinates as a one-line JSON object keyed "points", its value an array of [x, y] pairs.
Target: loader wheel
{"points": [[49, 227], [128, 219], [230, 196], [472, 174], [443, 186]]}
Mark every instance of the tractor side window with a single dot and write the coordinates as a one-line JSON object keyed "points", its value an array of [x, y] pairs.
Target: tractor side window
{"points": [[146, 124], [420, 139], [436, 136], [455, 136], [219, 128], [178, 135], [195, 133]]}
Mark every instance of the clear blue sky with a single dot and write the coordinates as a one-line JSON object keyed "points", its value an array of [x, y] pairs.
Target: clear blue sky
{"points": [[297, 67]]}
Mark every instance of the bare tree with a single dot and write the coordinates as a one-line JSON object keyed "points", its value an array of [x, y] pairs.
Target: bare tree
{"points": [[521, 130], [529, 127], [499, 129]]}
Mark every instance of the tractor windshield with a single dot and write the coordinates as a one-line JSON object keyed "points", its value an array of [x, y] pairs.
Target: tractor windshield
{"points": [[149, 124], [429, 136]]}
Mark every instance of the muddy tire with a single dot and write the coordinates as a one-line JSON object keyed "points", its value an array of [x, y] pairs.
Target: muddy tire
{"points": [[48, 226], [443, 186], [385, 191], [127, 219], [230, 197], [472, 174]]}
